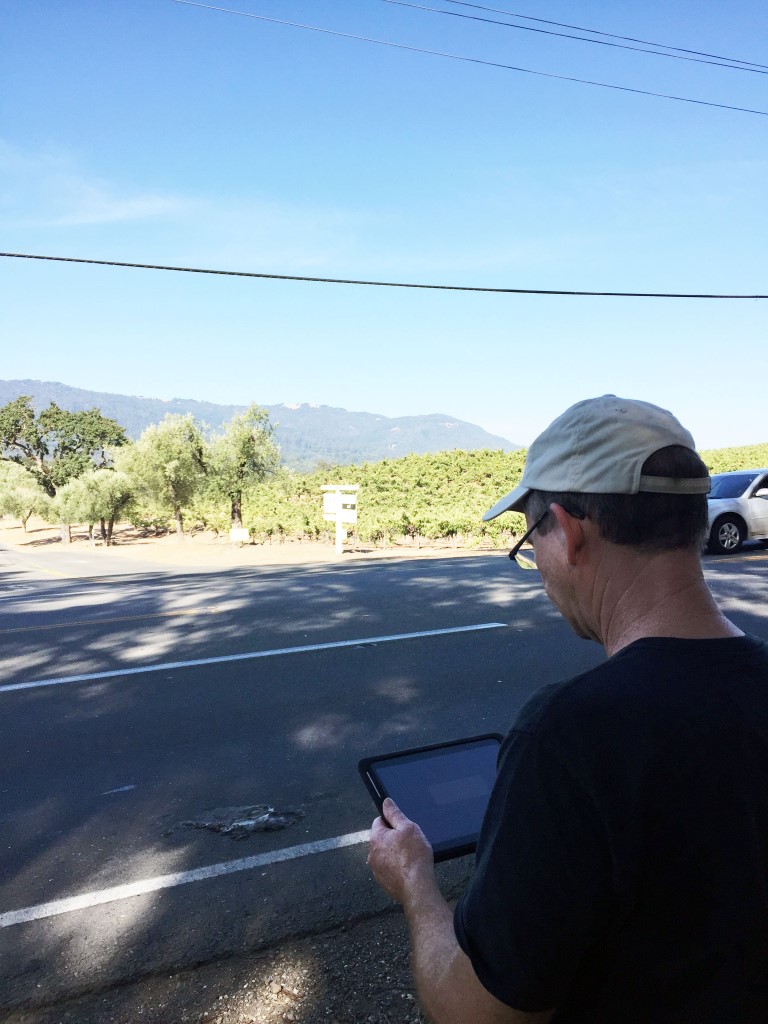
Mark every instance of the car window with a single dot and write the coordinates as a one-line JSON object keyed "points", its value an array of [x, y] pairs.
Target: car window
{"points": [[731, 486]]}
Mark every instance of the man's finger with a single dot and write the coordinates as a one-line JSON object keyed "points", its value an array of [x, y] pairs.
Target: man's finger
{"points": [[393, 814]]}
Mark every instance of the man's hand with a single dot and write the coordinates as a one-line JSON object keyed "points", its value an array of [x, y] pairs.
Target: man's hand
{"points": [[400, 857], [449, 990]]}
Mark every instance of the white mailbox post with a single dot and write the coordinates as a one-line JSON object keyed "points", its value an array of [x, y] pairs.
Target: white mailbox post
{"points": [[340, 506]]}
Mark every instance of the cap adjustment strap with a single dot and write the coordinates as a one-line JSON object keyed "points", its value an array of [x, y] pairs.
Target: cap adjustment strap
{"points": [[674, 485]]}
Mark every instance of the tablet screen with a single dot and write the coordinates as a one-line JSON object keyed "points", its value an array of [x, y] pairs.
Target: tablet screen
{"points": [[444, 789]]}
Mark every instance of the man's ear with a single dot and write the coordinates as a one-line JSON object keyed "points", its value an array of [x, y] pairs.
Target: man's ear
{"points": [[573, 533]]}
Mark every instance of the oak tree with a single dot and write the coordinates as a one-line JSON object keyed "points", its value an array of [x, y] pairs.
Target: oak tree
{"points": [[56, 445]]}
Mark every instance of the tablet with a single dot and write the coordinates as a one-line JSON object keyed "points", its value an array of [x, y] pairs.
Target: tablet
{"points": [[444, 788]]}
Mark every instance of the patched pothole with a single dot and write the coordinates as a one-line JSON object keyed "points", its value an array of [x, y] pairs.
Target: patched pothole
{"points": [[240, 822]]}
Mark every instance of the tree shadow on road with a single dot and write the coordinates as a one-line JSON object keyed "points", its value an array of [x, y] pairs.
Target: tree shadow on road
{"points": [[99, 776]]}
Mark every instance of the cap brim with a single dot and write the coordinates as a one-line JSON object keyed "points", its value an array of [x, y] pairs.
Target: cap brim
{"points": [[512, 502]]}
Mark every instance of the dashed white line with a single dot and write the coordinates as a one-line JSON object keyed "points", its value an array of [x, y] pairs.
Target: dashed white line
{"points": [[145, 885], [169, 665]]}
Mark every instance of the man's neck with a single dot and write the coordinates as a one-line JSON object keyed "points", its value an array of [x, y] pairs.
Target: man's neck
{"points": [[657, 596]]}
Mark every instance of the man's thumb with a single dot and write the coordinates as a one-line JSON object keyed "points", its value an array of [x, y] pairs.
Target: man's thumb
{"points": [[392, 812]]}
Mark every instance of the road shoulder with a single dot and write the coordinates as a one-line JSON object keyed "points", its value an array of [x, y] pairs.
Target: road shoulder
{"points": [[355, 974]]}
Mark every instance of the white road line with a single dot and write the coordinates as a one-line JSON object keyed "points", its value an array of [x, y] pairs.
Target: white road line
{"points": [[167, 666], [145, 885]]}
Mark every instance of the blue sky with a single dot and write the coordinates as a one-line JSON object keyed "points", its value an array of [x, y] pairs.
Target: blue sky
{"points": [[156, 132]]}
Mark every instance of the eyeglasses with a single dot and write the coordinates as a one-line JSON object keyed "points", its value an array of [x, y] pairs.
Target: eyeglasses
{"points": [[522, 560], [530, 563]]}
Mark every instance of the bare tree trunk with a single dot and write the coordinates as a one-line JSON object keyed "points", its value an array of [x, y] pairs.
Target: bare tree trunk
{"points": [[179, 523], [103, 527], [110, 528], [91, 537]]}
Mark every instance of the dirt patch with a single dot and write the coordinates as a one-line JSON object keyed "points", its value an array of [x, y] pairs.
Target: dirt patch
{"points": [[205, 550]]}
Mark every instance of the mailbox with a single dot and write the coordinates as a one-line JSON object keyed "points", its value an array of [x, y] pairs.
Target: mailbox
{"points": [[340, 506]]}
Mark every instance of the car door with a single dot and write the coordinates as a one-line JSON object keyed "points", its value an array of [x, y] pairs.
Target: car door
{"points": [[758, 507]]}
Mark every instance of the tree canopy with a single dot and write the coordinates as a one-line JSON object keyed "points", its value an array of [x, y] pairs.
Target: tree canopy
{"points": [[244, 454], [56, 445], [20, 493], [99, 496], [167, 465]]}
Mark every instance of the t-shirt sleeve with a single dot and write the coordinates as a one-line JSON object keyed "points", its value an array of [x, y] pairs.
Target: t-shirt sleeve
{"points": [[537, 901]]}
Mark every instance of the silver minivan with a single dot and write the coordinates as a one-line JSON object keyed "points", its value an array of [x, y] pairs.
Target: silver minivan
{"points": [[738, 509]]}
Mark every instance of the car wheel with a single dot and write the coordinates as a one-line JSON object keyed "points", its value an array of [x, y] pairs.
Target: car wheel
{"points": [[727, 535]]}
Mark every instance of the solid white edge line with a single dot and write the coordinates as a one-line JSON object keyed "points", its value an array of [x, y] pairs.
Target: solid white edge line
{"points": [[146, 885], [167, 666]]}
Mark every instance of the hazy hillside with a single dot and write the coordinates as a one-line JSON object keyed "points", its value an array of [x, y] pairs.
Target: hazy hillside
{"points": [[306, 433]]}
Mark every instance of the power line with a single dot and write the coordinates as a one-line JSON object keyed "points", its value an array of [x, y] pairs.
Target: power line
{"points": [[720, 63], [609, 35], [378, 284], [471, 60]]}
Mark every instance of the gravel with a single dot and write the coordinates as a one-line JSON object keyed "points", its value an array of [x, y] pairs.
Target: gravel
{"points": [[359, 974]]}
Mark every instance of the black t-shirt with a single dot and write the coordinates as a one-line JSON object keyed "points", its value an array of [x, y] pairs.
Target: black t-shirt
{"points": [[622, 867]]}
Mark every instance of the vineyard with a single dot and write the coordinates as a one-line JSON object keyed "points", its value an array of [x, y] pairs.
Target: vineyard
{"points": [[416, 499]]}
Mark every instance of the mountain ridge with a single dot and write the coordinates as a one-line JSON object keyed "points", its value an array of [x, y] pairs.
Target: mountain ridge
{"points": [[307, 433]]}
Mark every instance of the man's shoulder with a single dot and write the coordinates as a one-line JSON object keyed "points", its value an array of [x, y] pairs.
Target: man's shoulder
{"points": [[557, 701], [651, 673]]}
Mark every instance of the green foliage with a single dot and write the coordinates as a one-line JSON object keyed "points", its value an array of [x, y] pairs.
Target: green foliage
{"points": [[244, 454], [207, 511], [148, 518], [166, 466], [418, 497], [284, 507], [66, 507], [99, 496], [722, 460], [20, 493], [57, 445]]}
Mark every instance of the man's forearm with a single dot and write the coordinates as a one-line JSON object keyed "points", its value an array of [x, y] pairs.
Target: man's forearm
{"points": [[434, 950], [448, 988]]}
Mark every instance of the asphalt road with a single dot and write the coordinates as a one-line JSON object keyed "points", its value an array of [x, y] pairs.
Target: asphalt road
{"points": [[111, 741]]}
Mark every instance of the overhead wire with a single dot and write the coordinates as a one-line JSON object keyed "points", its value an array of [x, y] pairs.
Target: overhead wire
{"points": [[471, 60], [598, 32], [724, 63], [414, 285], [381, 284]]}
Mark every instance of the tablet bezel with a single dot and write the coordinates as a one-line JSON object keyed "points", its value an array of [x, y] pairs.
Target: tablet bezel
{"points": [[378, 791]]}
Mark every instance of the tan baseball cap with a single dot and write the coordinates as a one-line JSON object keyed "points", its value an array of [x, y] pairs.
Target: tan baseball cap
{"points": [[598, 446]]}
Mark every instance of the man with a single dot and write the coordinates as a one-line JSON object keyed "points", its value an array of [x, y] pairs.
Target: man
{"points": [[622, 868]]}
